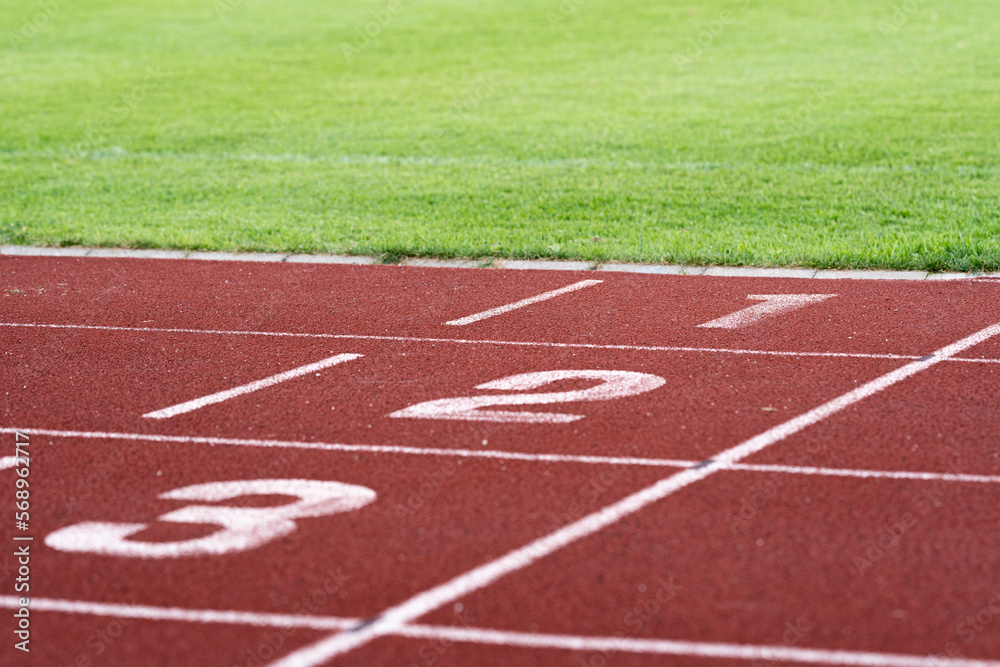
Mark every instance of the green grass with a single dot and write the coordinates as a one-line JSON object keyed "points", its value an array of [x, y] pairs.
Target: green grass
{"points": [[801, 134]]}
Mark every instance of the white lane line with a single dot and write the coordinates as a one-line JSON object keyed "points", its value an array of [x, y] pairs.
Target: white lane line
{"points": [[774, 304], [544, 296], [469, 341], [496, 637], [8, 462], [371, 449], [220, 396], [499, 454], [395, 618], [978, 361], [183, 615], [869, 474], [685, 648]]}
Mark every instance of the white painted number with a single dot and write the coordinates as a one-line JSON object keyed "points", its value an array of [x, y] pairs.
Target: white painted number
{"points": [[774, 304], [243, 528], [614, 384]]}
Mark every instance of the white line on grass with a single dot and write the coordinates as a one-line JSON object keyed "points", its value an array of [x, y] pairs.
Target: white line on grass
{"points": [[220, 396], [395, 618], [183, 615], [498, 454], [685, 648], [544, 296]]}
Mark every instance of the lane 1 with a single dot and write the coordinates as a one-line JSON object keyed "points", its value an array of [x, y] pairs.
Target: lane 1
{"points": [[900, 317]]}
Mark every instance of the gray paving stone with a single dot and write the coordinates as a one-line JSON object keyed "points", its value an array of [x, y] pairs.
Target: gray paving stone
{"points": [[872, 275], [950, 276], [545, 265], [37, 251], [758, 272], [331, 259], [137, 254], [443, 263], [661, 269], [239, 256]]}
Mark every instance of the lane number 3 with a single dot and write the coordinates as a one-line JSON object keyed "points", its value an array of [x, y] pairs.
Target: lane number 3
{"points": [[613, 384], [241, 528]]}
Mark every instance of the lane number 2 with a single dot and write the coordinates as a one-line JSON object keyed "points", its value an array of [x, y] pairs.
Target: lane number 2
{"points": [[241, 528], [614, 384]]}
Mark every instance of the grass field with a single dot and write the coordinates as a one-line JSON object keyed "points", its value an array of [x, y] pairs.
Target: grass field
{"points": [[762, 132]]}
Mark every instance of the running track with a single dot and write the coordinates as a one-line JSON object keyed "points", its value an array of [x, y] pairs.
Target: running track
{"points": [[237, 463]]}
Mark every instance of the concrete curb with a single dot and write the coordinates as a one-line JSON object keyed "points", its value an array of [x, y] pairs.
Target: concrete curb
{"points": [[663, 269]]}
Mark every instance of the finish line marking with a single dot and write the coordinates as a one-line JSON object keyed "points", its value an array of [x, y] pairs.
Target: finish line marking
{"points": [[395, 618], [544, 296], [685, 648], [469, 341], [218, 397], [503, 455], [502, 637]]}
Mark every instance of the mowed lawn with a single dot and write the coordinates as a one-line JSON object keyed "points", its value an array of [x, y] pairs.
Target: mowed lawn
{"points": [[835, 133]]}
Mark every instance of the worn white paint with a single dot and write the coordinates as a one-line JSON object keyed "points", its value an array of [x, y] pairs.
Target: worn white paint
{"points": [[773, 305], [544, 296], [251, 387], [242, 528], [614, 384], [396, 618]]}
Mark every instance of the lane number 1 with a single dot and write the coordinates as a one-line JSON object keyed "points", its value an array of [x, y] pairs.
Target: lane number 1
{"points": [[773, 304]]}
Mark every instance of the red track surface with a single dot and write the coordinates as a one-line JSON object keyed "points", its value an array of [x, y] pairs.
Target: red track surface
{"points": [[809, 550]]}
